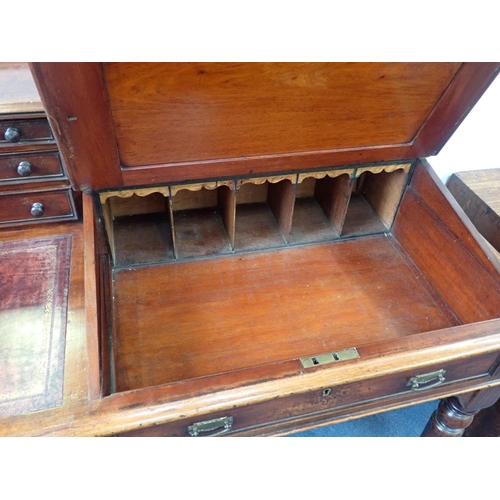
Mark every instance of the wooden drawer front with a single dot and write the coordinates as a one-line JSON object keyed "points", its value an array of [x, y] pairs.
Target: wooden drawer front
{"points": [[17, 208], [26, 166], [322, 401], [28, 131]]}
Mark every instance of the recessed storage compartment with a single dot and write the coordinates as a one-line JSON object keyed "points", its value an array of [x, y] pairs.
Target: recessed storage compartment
{"points": [[203, 220], [189, 317], [138, 227], [212, 218], [374, 200], [320, 205], [263, 213]]}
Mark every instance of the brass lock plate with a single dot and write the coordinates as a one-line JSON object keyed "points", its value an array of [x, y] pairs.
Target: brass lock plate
{"points": [[330, 357]]}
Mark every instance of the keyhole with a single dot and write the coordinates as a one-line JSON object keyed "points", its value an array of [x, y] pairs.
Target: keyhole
{"points": [[326, 392]]}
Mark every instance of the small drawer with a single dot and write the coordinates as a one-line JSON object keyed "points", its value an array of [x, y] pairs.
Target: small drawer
{"points": [[24, 131], [30, 166], [319, 403], [36, 207]]}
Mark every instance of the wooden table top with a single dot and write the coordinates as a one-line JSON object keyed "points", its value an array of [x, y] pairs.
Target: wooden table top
{"points": [[478, 193]]}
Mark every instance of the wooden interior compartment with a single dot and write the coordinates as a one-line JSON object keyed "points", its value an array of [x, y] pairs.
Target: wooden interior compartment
{"points": [[264, 209], [375, 197], [242, 311], [203, 220], [321, 201], [138, 228]]}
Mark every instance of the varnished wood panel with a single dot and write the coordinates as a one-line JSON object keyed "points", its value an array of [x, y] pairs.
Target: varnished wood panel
{"points": [[383, 192], [77, 107], [471, 81], [280, 198], [263, 308], [254, 165], [180, 112], [431, 190], [305, 121], [333, 195], [226, 198], [469, 290], [92, 296]]}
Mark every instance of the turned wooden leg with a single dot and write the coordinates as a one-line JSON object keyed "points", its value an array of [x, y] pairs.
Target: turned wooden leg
{"points": [[449, 420], [454, 414]]}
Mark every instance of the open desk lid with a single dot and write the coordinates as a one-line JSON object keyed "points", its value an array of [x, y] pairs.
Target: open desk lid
{"points": [[127, 121]]}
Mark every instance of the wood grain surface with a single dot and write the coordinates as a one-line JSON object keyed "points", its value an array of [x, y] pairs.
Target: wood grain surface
{"points": [[80, 119], [478, 193], [237, 312], [455, 268], [189, 121], [252, 109]]}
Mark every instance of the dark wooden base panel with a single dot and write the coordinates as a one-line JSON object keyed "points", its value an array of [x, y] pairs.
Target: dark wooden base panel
{"points": [[328, 401]]}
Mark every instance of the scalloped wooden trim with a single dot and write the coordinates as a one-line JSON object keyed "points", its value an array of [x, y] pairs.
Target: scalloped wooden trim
{"points": [[128, 193], [232, 184], [384, 168], [260, 180], [198, 186], [325, 173], [165, 190]]}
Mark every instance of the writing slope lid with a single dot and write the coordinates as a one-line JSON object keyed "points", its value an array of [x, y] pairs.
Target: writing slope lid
{"points": [[221, 119]]}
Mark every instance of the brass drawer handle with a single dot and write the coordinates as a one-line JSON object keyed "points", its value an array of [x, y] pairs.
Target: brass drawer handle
{"points": [[417, 381], [211, 425]]}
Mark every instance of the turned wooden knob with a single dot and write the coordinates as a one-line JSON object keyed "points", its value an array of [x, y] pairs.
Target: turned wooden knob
{"points": [[12, 134], [37, 209], [24, 169]]}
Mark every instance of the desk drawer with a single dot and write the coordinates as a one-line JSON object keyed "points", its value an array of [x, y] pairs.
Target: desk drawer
{"points": [[36, 207], [23, 131], [330, 399], [30, 166]]}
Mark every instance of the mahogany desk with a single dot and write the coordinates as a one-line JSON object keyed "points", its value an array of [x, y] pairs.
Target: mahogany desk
{"points": [[309, 265]]}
